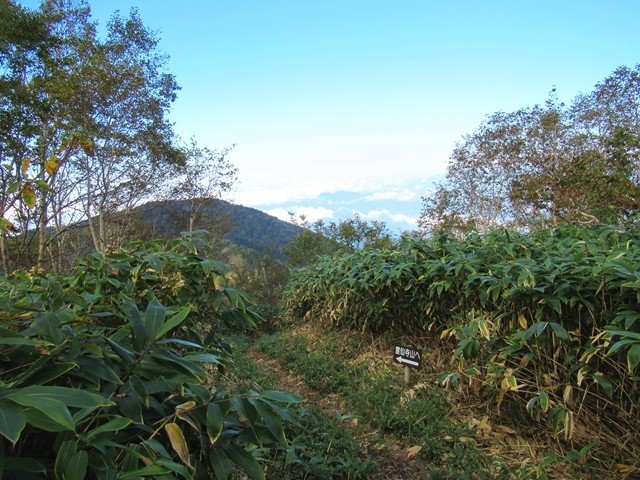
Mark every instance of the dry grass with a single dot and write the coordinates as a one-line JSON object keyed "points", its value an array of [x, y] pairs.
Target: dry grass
{"points": [[507, 431]]}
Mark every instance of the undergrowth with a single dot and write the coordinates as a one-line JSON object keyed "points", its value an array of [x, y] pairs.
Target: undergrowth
{"points": [[319, 446], [420, 417], [545, 322]]}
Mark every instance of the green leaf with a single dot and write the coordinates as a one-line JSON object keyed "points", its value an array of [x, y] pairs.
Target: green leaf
{"points": [[13, 187], [42, 185], [177, 341], [53, 409], [39, 364], [48, 324], [633, 357], [154, 319], [122, 352], [559, 331], [37, 419], [246, 409], [71, 397], [24, 465], [284, 397], [621, 343], [604, 382], [155, 261], [12, 421], [175, 467], [77, 466], [234, 297], [148, 471], [114, 425], [215, 422], [173, 322], [624, 334], [544, 401], [158, 447], [203, 358], [273, 421], [65, 452], [25, 341], [29, 196], [45, 375], [174, 361], [131, 407], [137, 325], [210, 265], [221, 464], [7, 225], [245, 460], [140, 389]]}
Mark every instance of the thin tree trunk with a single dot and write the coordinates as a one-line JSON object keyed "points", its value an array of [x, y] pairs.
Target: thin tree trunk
{"points": [[4, 254], [42, 220], [101, 228], [42, 230]]}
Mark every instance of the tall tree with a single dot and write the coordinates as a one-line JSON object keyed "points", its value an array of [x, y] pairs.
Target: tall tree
{"points": [[88, 116], [547, 164], [25, 44], [320, 238], [128, 97], [206, 174]]}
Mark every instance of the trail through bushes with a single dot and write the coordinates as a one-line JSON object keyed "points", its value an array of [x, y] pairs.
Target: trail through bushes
{"points": [[547, 321]]}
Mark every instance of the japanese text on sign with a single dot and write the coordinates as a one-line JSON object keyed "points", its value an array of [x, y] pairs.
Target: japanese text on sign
{"points": [[408, 356]]}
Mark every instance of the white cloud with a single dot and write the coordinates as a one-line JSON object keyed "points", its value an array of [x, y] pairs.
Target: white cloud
{"points": [[400, 196], [311, 213], [386, 215], [284, 193]]}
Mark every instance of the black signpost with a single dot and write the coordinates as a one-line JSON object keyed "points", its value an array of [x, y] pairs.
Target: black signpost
{"points": [[409, 357]]}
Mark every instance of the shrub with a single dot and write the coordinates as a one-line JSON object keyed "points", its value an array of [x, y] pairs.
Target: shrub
{"points": [[547, 319], [110, 372]]}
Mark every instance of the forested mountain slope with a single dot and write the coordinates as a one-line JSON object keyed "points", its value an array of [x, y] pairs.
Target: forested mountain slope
{"points": [[245, 226]]}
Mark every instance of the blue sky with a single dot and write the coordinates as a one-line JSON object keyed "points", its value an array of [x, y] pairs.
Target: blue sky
{"points": [[349, 105]]}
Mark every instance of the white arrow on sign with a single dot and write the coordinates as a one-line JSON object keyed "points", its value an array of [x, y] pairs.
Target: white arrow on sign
{"points": [[407, 361]]}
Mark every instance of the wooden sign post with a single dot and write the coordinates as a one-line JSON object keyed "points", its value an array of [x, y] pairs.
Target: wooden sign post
{"points": [[410, 358]]}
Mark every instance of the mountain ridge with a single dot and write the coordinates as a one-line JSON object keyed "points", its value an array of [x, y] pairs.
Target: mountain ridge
{"points": [[244, 226]]}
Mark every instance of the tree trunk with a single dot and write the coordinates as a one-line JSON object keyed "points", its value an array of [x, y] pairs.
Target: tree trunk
{"points": [[102, 247], [4, 254], [42, 214], [42, 234]]}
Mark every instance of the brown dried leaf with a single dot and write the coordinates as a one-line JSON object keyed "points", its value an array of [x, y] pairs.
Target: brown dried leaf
{"points": [[505, 429], [178, 442], [413, 451], [625, 469]]}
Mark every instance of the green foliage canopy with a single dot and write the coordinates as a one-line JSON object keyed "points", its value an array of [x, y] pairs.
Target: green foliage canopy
{"points": [[111, 372], [546, 165]]}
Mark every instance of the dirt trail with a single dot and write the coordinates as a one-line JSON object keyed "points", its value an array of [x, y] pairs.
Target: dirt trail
{"points": [[393, 461]]}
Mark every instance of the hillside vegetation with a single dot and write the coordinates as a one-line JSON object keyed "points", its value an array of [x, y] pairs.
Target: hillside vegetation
{"points": [[543, 325], [116, 371], [522, 287]]}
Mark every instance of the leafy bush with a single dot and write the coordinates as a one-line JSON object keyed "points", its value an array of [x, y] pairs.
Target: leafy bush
{"points": [[111, 372], [549, 319], [321, 448]]}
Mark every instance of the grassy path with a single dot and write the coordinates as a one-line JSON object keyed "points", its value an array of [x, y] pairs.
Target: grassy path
{"points": [[393, 459], [421, 432]]}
